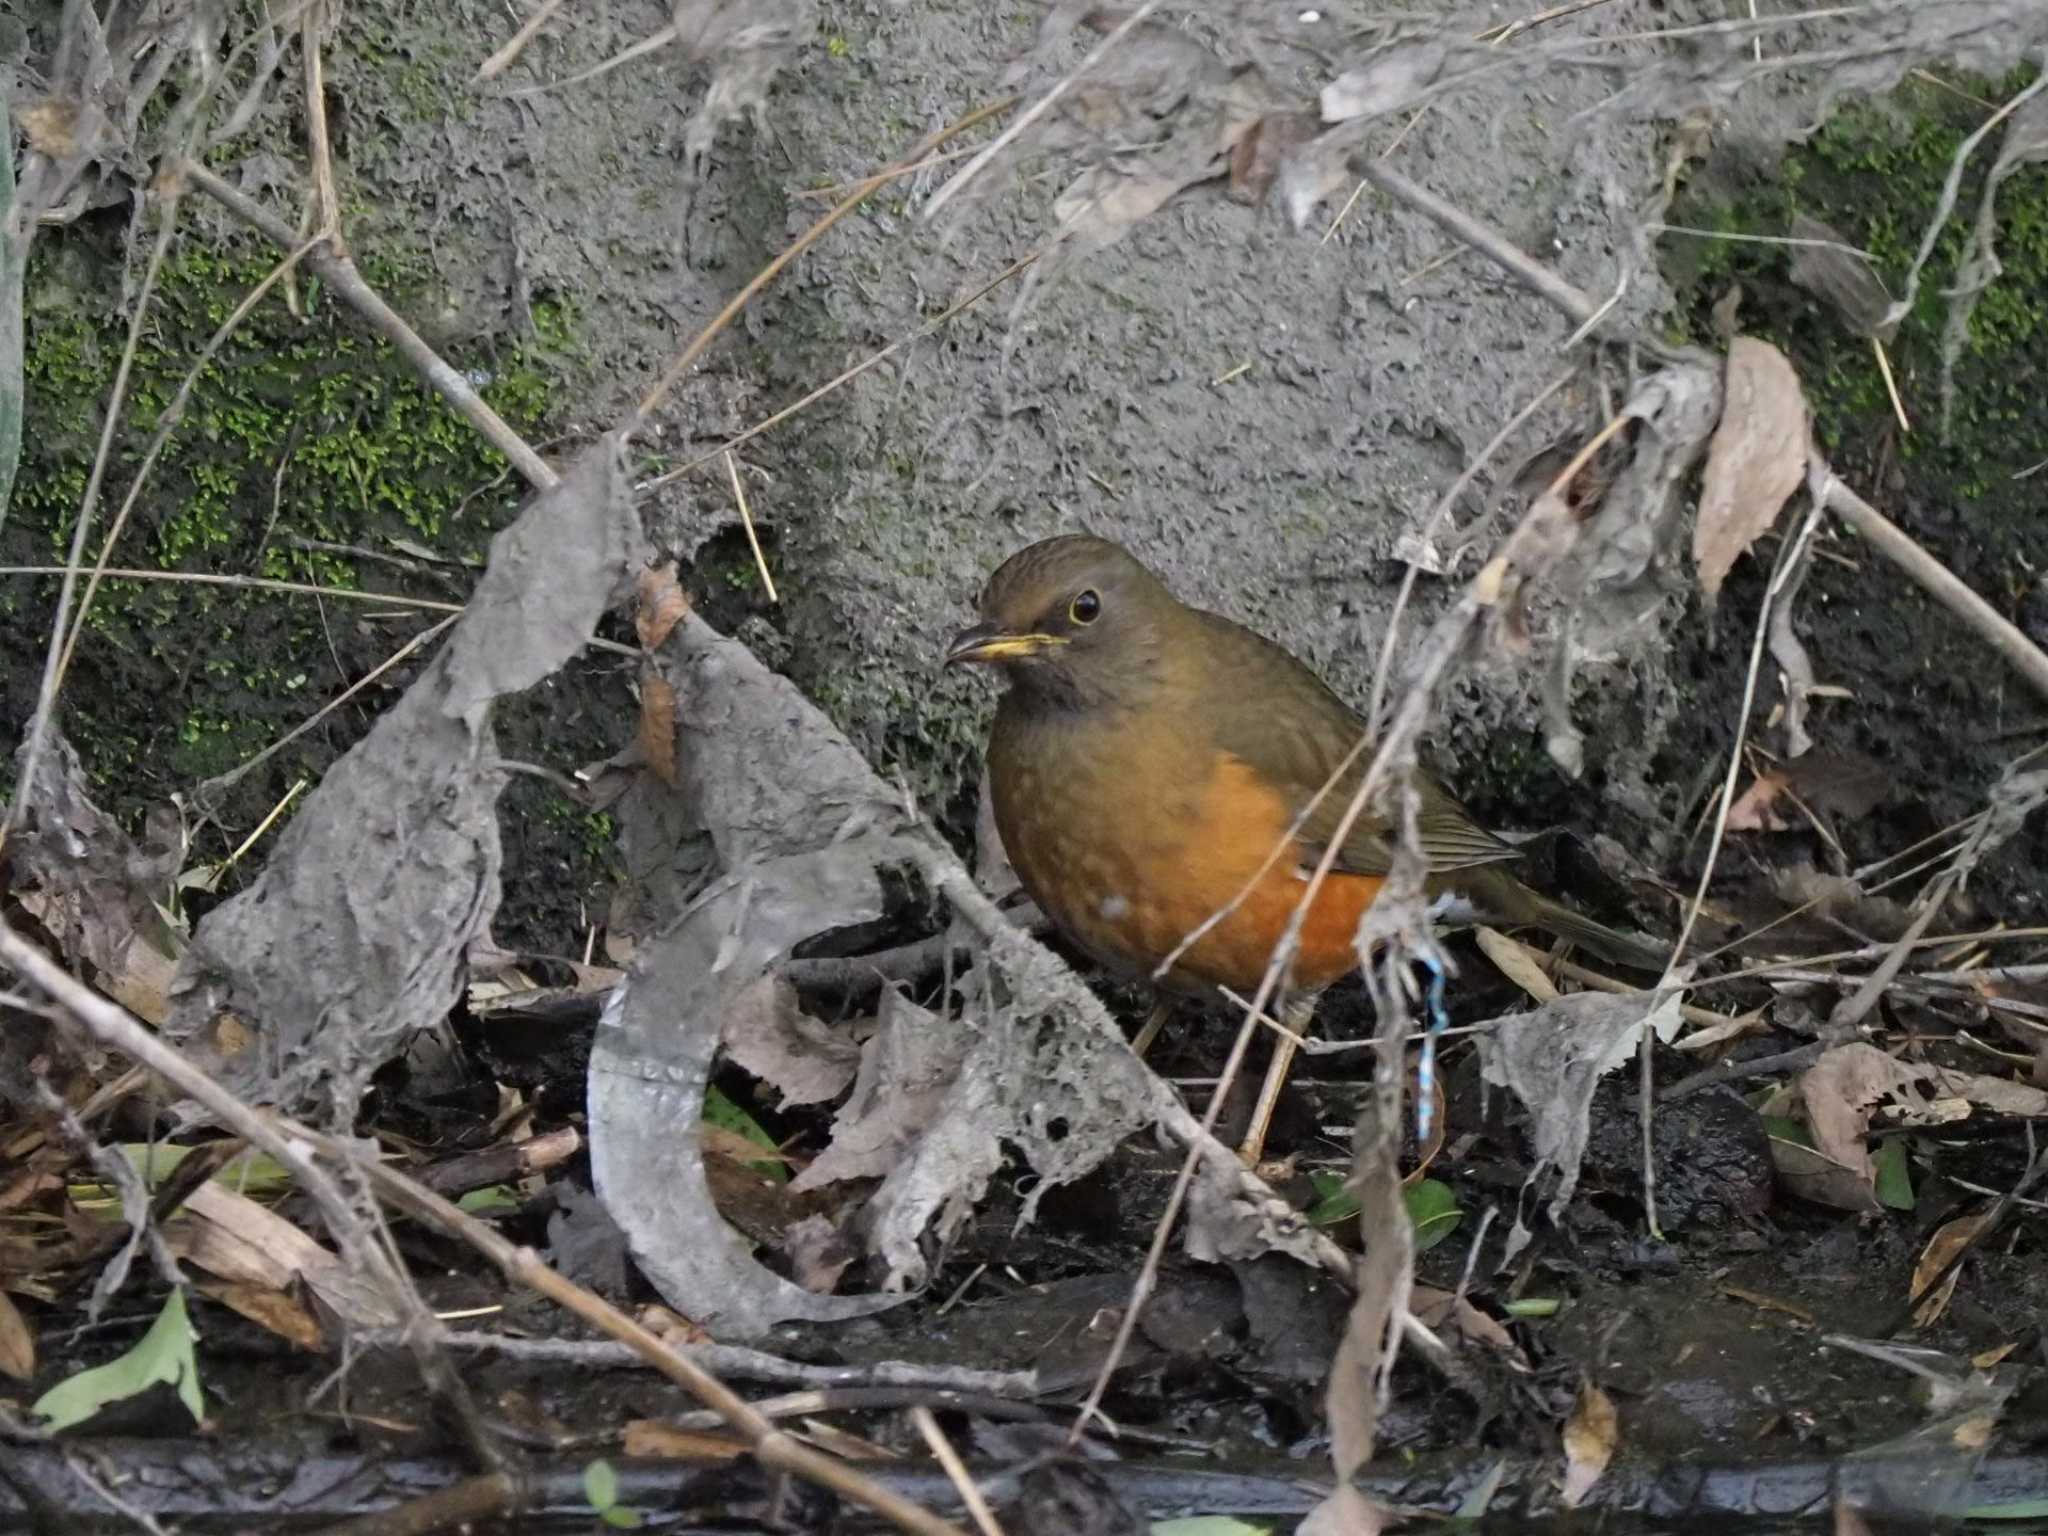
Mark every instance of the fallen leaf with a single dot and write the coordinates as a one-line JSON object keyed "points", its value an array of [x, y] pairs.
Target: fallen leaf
{"points": [[1395, 79], [1517, 962], [652, 1438], [279, 1311], [1589, 1439], [1756, 461], [17, 1341], [1755, 809], [1839, 1092], [768, 1033], [1949, 1239], [819, 1253], [1256, 158], [164, 1354], [233, 1237], [659, 604]]}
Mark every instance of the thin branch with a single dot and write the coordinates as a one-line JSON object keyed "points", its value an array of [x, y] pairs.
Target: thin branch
{"points": [[1036, 110], [771, 1446], [119, 1030], [739, 301], [956, 1471], [46, 698], [1939, 582], [872, 360], [340, 274], [500, 61]]}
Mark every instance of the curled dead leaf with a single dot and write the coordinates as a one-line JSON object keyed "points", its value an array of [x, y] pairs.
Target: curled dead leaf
{"points": [[1590, 1435], [1949, 1239], [1756, 461], [17, 1342], [659, 604]]}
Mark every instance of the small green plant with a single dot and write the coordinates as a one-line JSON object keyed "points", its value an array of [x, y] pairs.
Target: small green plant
{"points": [[163, 1354], [601, 1487]]}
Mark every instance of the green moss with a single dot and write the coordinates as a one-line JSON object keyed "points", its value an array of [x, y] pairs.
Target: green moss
{"points": [[1875, 172]]}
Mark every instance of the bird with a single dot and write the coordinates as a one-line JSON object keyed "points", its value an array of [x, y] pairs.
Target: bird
{"points": [[1149, 757]]}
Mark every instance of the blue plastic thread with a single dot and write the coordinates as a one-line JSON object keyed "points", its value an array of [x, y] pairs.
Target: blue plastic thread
{"points": [[1425, 1073]]}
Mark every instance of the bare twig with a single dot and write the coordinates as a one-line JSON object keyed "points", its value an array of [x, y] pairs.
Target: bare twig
{"points": [[117, 1029], [1037, 109], [739, 301], [223, 781], [500, 61], [340, 274], [53, 660], [739, 494], [956, 1471], [522, 1266], [870, 361], [294, 588], [1939, 582]]}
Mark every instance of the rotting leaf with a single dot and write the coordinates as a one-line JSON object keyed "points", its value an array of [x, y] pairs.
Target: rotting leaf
{"points": [[17, 1342], [280, 1312], [1590, 1436], [356, 935], [907, 1068], [806, 841], [164, 1354], [1755, 809], [1756, 461], [1839, 1091], [97, 891], [1552, 1059], [1949, 1239], [768, 1033]]}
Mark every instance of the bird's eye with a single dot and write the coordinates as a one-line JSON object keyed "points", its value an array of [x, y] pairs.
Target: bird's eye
{"points": [[1085, 607]]}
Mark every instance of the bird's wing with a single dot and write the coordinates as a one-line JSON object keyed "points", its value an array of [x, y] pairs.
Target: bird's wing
{"points": [[1282, 720]]}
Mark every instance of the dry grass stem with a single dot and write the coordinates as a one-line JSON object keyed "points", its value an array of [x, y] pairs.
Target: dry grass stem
{"points": [[502, 60], [739, 301], [956, 1471], [739, 494]]}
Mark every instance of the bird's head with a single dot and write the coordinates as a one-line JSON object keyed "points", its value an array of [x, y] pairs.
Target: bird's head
{"points": [[1073, 619]]}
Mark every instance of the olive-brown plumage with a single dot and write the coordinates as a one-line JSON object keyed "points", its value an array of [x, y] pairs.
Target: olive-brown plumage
{"points": [[1148, 758]]}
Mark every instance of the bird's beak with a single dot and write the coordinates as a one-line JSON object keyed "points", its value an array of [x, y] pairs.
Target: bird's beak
{"points": [[986, 643]]}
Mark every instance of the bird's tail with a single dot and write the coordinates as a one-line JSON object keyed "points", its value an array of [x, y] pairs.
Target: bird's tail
{"points": [[1499, 896]]}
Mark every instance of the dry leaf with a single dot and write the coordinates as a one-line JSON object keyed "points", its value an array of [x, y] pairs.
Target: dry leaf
{"points": [[1256, 158], [17, 1341], [659, 605], [771, 1036], [1517, 962], [238, 1240], [279, 1311], [1757, 459], [1755, 810], [1839, 1092], [652, 1438], [1589, 1439], [1817, 1177], [1949, 1239], [657, 733]]}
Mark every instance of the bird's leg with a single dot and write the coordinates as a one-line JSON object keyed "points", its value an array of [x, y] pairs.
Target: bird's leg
{"points": [[1141, 1042], [1293, 1023]]}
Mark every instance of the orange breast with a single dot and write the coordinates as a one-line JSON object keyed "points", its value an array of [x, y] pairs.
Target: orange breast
{"points": [[1129, 864]]}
